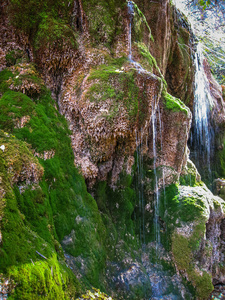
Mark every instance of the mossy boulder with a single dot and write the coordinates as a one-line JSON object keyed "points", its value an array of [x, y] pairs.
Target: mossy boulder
{"points": [[110, 102], [193, 216], [174, 104]]}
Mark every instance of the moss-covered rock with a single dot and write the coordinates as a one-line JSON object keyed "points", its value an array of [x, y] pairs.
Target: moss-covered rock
{"points": [[190, 175], [174, 104], [49, 195], [105, 21], [26, 16], [189, 214]]}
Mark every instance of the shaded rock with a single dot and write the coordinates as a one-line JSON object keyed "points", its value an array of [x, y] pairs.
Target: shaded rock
{"points": [[219, 187], [133, 283], [189, 174]]}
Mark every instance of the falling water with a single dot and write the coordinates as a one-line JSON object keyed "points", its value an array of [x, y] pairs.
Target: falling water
{"points": [[157, 270], [154, 138], [130, 5], [161, 144], [140, 186], [203, 135]]}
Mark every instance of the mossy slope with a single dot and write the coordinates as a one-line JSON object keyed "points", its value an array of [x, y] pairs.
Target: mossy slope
{"points": [[41, 198]]}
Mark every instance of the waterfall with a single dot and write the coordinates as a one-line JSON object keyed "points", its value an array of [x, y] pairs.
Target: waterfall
{"points": [[130, 6], [202, 137]]}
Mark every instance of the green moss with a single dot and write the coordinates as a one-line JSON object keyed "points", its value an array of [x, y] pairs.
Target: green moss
{"points": [[140, 25], [104, 21], [43, 279], [52, 31], [117, 207], [184, 209], [188, 180], [149, 61], [22, 77], [15, 56], [112, 82], [4, 76], [183, 255], [27, 15], [181, 251], [183, 213], [174, 104], [36, 217]]}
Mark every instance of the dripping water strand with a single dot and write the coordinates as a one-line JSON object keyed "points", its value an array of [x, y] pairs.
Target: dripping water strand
{"points": [[136, 65], [161, 129], [140, 186], [156, 186], [156, 193], [161, 144], [130, 6]]}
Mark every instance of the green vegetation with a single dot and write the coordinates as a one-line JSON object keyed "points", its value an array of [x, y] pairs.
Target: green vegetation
{"points": [[58, 34], [105, 21], [149, 62], [43, 279], [174, 104], [113, 82], [27, 15], [44, 201], [140, 25], [14, 57], [190, 207], [117, 207], [47, 24], [49, 195], [183, 255], [186, 218], [22, 77]]}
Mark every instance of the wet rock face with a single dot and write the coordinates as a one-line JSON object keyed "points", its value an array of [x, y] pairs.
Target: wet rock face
{"points": [[175, 132], [216, 121], [172, 46], [218, 108], [180, 69], [219, 187], [131, 282], [158, 16], [102, 116], [105, 118], [108, 101]]}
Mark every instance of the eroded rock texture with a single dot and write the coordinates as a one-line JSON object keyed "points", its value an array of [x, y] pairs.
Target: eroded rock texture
{"points": [[123, 79]]}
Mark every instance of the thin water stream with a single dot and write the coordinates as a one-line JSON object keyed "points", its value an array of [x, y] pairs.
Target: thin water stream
{"points": [[155, 271], [130, 6]]}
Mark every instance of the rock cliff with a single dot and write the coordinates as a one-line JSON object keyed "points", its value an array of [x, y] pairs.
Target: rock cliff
{"points": [[96, 185]]}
